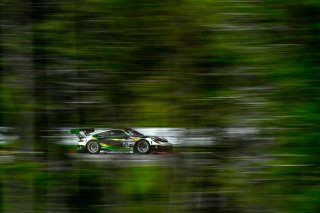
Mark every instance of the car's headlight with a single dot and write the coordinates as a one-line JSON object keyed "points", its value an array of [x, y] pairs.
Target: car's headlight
{"points": [[154, 139], [159, 140], [164, 139]]}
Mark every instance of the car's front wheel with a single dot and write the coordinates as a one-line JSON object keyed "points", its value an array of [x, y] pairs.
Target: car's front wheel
{"points": [[93, 147], [142, 147]]}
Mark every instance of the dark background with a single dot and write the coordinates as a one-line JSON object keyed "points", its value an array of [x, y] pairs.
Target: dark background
{"points": [[147, 63]]}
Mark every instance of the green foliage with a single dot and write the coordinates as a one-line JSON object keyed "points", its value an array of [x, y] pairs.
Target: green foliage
{"points": [[191, 63]]}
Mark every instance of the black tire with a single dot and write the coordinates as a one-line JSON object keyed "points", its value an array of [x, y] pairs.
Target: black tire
{"points": [[142, 147], [93, 147]]}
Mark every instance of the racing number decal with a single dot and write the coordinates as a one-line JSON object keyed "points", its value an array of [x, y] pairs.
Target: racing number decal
{"points": [[126, 144]]}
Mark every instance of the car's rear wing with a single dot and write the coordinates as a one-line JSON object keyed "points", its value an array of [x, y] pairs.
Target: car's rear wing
{"points": [[78, 132]]}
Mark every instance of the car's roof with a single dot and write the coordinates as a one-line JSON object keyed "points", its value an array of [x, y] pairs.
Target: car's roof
{"points": [[107, 130], [100, 131]]}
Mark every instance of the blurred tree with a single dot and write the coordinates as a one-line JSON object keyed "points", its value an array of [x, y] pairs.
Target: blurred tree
{"points": [[191, 63], [295, 74]]}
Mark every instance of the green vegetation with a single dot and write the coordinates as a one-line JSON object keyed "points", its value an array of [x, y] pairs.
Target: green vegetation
{"points": [[161, 63]]}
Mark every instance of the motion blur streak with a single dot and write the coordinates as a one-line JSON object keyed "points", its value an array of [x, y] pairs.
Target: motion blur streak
{"points": [[215, 69]]}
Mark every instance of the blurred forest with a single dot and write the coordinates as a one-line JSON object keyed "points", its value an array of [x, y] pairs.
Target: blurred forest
{"points": [[162, 63]]}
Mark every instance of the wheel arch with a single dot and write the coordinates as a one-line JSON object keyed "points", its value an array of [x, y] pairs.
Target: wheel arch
{"points": [[92, 140], [137, 142]]}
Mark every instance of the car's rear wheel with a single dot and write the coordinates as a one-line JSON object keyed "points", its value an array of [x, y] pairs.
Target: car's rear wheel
{"points": [[93, 147], [142, 147]]}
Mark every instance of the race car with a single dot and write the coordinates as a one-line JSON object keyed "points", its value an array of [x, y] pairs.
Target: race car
{"points": [[119, 140]]}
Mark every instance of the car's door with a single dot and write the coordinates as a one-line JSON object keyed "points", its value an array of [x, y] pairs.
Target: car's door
{"points": [[117, 138]]}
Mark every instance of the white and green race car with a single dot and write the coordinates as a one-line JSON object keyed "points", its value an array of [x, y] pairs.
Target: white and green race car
{"points": [[119, 140]]}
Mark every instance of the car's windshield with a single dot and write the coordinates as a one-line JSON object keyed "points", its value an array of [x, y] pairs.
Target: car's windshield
{"points": [[133, 133]]}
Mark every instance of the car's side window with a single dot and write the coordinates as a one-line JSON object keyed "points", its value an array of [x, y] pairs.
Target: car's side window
{"points": [[100, 135], [117, 134]]}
